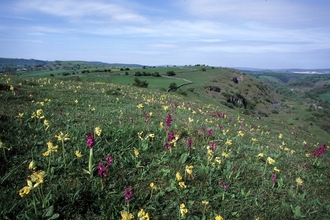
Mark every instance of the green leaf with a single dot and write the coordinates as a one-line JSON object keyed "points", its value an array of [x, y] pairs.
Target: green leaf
{"points": [[48, 212], [183, 158]]}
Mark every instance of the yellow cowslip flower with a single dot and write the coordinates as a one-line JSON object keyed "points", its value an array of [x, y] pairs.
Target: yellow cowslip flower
{"points": [[165, 107], [142, 215], [254, 140], [276, 169], [178, 176], [209, 154], [286, 149], [20, 115], [270, 160], [204, 202], [125, 215], [32, 165], [308, 155], [11, 88], [47, 124], [76, 101], [229, 142], [299, 181], [78, 154], [24, 191], [98, 131], [183, 210], [304, 142], [139, 134], [161, 124], [293, 151], [218, 160], [39, 113], [139, 105], [136, 153], [261, 155], [280, 136], [46, 154], [218, 217], [151, 135], [240, 133], [189, 169], [190, 120], [224, 154], [182, 185], [152, 186], [62, 137], [150, 114], [37, 177]]}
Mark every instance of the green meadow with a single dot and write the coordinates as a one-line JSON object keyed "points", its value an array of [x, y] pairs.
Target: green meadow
{"points": [[93, 146]]}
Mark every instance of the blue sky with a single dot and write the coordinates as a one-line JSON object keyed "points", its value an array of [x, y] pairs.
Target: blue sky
{"points": [[231, 33]]}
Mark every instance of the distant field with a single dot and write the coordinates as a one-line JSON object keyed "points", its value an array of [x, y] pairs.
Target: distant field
{"points": [[325, 96]]}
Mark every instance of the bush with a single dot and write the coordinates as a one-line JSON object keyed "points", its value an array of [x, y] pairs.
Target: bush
{"points": [[140, 83], [170, 73]]}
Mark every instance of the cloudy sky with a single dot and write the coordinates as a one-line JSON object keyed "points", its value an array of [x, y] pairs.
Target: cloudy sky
{"points": [[231, 33]]}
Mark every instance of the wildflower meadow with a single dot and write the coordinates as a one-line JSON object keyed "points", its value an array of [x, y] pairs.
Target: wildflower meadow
{"points": [[93, 150]]}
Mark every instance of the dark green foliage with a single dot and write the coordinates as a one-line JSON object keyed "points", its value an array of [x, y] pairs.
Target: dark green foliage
{"points": [[139, 83], [170, 73]]}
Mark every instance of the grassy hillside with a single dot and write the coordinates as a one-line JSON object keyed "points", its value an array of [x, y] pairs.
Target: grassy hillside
{"points": [[102, 148]]}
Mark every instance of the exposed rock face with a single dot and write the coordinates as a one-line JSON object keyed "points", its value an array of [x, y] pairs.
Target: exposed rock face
{"points": [[237, 79]]}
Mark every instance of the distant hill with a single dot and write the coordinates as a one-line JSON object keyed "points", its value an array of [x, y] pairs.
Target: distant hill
{"points": [[20, 62]]}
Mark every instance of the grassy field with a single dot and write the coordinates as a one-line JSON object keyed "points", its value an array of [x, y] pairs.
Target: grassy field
{"points": [[88, 148], [325, 96]]}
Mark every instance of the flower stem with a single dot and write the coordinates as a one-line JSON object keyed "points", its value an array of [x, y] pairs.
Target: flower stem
{"points": [[90, 161]]}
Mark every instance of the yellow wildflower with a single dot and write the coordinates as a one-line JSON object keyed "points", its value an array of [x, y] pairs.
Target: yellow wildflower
{"points": [[153, 186], [276, 169], [218, 160], [224, 154], [78, 154], [254, 140], [62, 137], [39, 113], [183, 210], [286, 149], [270, 160], [32, 165], [139, 106], [189, 169], [190, 120], [47, 124], [142, 215], [229, 142], [293, 151], [178, 176], [240, 133], [76, 101], [165, 107], [182, 185], [98, 131], [218, 217], [24, 191], [299, 181], [11, 88], [204, 202], [261, 155], [125, 215], [308, 155], [136, 153], [280, 136], [150, 114], [210, 153]]}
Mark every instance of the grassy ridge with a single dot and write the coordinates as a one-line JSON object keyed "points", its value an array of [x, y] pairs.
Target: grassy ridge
{"points": [[242, 167]]}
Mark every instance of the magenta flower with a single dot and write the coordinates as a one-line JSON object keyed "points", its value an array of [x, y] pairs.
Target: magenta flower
{"points": [[222, 184], [220, 127], [59, 112], [273, 178], [90, 141], [209, 132], [109, 160], [189, 142], [168, 121], [102, 170], [128, 193], [320, 151], [167, 145], [213, 145], [203, 130], [171, 136]]}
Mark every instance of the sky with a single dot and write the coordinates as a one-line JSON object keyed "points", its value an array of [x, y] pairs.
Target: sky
{"points": [[272, 34]]}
